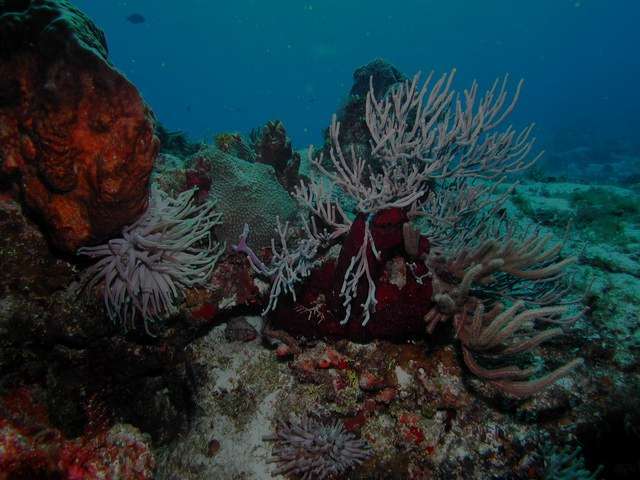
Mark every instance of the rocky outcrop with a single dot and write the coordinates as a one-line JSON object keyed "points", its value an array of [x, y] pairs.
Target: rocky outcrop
{"points": [[380, 73], [77, 141], [352, 116], [273, 147]]}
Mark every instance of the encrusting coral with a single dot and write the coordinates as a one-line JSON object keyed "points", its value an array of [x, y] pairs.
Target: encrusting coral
{"points": [[436, 161], [162, 253], [77, 140]]}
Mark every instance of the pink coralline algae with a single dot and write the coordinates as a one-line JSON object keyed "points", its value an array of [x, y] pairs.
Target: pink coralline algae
{"points": [[31, 448]]}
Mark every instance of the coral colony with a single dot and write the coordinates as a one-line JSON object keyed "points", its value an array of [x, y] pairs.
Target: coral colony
{"points": [[431, 151]]}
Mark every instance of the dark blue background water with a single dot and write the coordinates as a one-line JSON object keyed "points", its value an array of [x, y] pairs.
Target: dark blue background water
{"points": [[207, 66]]}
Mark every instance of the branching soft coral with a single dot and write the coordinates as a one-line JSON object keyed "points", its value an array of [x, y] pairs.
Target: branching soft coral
{"points": [[288, 266], [524, 272], [437, 158]]}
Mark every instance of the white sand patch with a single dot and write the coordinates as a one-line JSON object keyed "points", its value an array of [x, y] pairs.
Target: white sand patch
{"points": [[239, 374], [405, 380]]}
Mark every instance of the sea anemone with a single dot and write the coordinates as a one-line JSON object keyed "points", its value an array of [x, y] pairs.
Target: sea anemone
{"points": [[167, 249], [314, 450]]}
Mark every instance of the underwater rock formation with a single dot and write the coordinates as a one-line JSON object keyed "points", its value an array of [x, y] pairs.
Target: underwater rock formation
{"points": [[76, 137], [351, 114], [175, 143], [273, 147], [236, 145], [69, 349], [380, 73], [239, 330]]}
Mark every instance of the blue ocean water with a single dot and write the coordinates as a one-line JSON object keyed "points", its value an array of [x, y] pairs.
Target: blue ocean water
{"points": [[210, 66]]}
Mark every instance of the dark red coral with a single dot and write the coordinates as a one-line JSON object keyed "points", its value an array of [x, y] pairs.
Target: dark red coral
{"points": [[273, 147], [403, 297], [199, 176]]}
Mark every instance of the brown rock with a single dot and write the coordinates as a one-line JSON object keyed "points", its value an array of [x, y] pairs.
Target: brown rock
{"points": [[283, 351], [75, 135], [213, 448], [239, 330]]}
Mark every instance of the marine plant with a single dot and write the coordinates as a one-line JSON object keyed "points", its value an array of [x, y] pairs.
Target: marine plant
{"points": [[169, 248], [425, 194], [312, 449]]}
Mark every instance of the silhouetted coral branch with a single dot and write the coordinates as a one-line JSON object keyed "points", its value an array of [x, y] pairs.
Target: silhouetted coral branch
{"points": [[287, 267]]}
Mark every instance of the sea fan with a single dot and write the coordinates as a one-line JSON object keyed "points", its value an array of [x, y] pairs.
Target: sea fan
{"points": [[168, 249], [314, 450]]}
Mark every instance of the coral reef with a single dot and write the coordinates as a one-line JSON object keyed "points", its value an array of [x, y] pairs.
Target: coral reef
{"points": [[466, 261], [235, 144], [378, 74], [175, 143], [411, 402], [273, 147], [77, 138], [405, 316], [567, 465], [315, 310], [267, 144], [66, 345], [608, 265]]}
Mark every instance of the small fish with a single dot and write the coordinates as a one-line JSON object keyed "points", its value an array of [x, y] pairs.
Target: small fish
{"points": [[135, 18], [238, 329]]}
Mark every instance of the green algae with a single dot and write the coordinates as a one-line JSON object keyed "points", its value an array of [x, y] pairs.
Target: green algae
{"points": [[605, 214]]}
